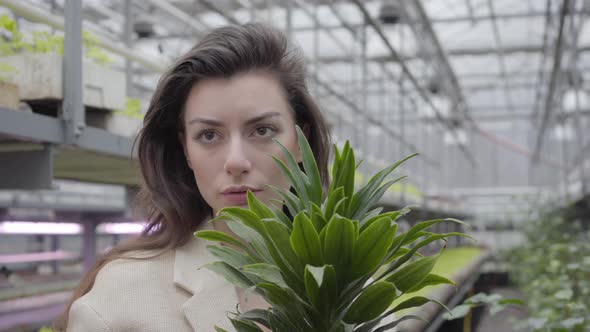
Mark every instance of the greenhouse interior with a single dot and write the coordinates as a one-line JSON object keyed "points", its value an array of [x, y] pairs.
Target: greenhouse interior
{"points": [[489, 230]]}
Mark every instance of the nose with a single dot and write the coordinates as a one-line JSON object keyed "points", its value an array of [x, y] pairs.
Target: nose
{"points": [[237, 162]]}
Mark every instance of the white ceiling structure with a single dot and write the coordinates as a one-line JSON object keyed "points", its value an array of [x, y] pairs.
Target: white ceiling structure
{"points": [[492, 93]]}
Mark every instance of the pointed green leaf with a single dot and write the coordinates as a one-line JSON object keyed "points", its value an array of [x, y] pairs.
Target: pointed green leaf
{"points": [[431, 280], [338, 244], [284, 256], [413, 273], [459, 311], [330, 204], [285, 300], [245, 216], [313, 278], [281, 215], [253, 238], [292, 202], [230, 256], [428, 240], [311, 167], [244, 326], [267, 272], [372, 302], [371, 247], [256, 315], [426, 224], [256, 206], [390, 326], [400, 252], [412, 302], [230, 274], [218, 236], [279, 322], [305, 241], [367, 197], [300, 179]]}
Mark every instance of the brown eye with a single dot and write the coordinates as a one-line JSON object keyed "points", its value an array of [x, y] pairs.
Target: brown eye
{"points": [[265, 131], [207, 136]]}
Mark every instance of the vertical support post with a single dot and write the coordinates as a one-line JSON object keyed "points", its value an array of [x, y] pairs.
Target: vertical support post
{"points": [[579, 137], [289, 18], [354, 92], [54, 247], [364, 103], [73, 107], [127, 34], [316, 45], [89, 242], [382, 112]]}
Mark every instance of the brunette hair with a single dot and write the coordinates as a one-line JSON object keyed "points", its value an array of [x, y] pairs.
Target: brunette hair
{"points": [[169, 193]]}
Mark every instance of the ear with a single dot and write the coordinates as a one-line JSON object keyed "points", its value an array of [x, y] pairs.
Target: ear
{"points": [[182, 141]]}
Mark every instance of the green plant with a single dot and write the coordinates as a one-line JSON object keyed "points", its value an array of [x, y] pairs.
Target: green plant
{"points": [[337, 265], [45, 42], [496, 301], [6, 72], [553, 270], [132, 108]]}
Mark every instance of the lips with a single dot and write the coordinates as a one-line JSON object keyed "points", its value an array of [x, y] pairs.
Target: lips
{"points": [[238, 195]]}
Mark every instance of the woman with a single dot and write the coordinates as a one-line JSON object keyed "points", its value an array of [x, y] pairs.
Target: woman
{"points": [[206, 139]]}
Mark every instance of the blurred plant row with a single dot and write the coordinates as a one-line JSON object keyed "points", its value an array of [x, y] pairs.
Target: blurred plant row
{"points": [[553, 270], [16, 41]]}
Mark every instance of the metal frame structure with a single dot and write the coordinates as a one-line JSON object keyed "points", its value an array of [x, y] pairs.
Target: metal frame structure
{"points": [[389, 77]]}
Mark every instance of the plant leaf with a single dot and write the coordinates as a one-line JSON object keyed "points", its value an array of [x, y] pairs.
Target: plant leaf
{"points": [[338, 244], [256, 206], [413, 273], [416, 301], [305, 241], [372, 302], [230, 273], [267, 272], [244, 325], [256, 315], [431, 280], [371, 247], [230, 256], [311, 168], [218, 236]]}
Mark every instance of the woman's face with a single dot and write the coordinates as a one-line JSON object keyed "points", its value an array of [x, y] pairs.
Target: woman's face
{"points": [[230, 124]]}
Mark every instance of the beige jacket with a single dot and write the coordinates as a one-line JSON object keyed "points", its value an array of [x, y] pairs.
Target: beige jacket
{"points": [[166, 293]]}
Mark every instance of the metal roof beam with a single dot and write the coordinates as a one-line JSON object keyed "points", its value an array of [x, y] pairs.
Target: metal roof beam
{"points": [[370, 21], [549, 102]]}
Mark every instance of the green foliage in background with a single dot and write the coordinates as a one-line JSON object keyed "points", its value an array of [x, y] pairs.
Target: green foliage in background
{"points": [[553, 269], [45, 42], [338, 265], [132, 109], [6, 72]]}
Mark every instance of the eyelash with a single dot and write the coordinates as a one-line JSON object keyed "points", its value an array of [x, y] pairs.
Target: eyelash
{"points": [[200, 135]]}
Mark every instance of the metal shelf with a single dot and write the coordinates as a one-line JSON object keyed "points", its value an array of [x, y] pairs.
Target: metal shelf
{"points": [[96, 156]]}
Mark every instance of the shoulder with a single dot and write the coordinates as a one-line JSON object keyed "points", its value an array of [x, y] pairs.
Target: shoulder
{"points": [[126, 294], [83, 317], [135, 267]]}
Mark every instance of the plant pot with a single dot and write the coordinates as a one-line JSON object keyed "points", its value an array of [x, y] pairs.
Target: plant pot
{"points": [[40, 77], [9, 95]]}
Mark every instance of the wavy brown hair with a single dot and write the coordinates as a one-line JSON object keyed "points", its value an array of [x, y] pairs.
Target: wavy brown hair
{"points": [[169, 191]]}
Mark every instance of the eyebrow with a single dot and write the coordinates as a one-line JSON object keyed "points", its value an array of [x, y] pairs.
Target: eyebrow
{"points": [[216, 123]]}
